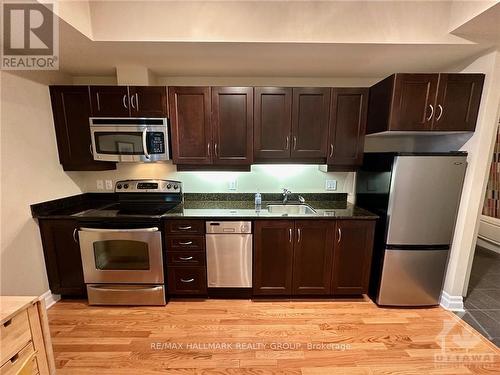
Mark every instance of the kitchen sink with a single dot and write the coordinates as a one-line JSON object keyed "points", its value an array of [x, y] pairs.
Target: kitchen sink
{"points": [[291, 209]]}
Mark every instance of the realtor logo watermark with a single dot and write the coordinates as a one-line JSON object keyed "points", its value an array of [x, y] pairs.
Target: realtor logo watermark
{"points": [[30, 38]]}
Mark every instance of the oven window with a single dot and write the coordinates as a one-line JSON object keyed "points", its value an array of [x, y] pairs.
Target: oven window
{"points": [[119, 143], [121, 255]]}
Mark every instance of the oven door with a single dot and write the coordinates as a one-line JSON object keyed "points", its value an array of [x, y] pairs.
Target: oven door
{"points": [[121, 255], [120, 141]]}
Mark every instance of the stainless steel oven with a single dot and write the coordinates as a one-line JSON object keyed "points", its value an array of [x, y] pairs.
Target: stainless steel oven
{"points": [[130, 139], [123, 266]]}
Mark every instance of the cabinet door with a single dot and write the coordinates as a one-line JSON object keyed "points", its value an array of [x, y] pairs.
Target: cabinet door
{"points": [[413, 102], [310, 111], [190, 124], [110, 101], [62, 257], [273, 121], [71, 111], [232, 125], [458, 99], [273, 254], [347, 126], [352, 256], [148, 101], [313, 256]]}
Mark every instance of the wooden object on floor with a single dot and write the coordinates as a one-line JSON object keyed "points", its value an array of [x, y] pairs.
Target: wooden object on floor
{"points": [[273, 338], [24, 335]]}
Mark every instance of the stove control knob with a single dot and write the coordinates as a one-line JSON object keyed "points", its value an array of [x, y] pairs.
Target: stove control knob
{"points": [[119, 186], [125, 186], [176, 187], [169, 186]]}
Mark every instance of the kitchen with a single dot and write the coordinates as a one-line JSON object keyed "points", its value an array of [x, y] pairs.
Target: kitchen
{"points": [[226, 195]]}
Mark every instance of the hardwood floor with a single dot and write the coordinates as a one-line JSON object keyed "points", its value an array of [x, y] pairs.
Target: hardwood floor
{"points": [[278, 337]]}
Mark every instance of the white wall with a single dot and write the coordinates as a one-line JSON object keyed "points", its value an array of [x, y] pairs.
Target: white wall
{"points": [[30, 173]]}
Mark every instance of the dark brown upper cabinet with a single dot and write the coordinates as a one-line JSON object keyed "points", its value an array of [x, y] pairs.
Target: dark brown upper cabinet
{"points": [[347, 127], [313, 257], [420, 102], [211, 126], [352, 256], [232, 125], [272, 124], [190, 112], [128, 101], [458, 100], [310, 110], [148, 101], [273, 257], [71, 111]]}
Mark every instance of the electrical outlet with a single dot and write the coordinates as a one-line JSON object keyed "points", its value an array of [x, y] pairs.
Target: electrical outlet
{"points": [[109, 184], [331, 185], [231, 185], [100, 184]]}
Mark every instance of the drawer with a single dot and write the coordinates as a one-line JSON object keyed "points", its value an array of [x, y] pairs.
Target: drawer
{"points": [[186, 258], [25, 359], [187, 280], [185, 226], [194, 243], [15, 334]]}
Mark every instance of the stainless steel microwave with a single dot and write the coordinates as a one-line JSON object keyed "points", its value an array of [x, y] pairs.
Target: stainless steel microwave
{"points": [[130, 139]]}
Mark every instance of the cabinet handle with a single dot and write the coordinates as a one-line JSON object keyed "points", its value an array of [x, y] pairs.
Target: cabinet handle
{"points": [[298, 235], [185, 258], [331, 149], [137, 101], [440, 112], [340, 235], [294, 142], [91, 149], [287, 142], [215, 149], [187, 280], [132, 101], [432, 112], [187, 227], [124, 101], [7, 323], [186, 243], [98, 102], [208, 146], [290, 235], [75, 238]]}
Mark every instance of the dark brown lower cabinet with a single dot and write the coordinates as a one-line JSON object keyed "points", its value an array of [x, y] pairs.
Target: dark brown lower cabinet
{"points": [[352, 256], [312, 256], [62, 257], [273, 256], [187, 281]]}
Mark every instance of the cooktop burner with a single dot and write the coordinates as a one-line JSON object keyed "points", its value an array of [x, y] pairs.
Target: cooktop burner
{"points": [[141, 198]]}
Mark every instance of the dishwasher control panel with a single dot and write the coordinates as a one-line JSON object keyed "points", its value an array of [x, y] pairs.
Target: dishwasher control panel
{"points": [[229, 227]]}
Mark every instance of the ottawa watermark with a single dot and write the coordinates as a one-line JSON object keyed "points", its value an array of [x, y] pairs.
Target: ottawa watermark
{"points": [[225, 346], [30, 35]]}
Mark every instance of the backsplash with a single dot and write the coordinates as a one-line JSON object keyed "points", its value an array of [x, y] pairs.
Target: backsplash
{"points": [[264, 178]]}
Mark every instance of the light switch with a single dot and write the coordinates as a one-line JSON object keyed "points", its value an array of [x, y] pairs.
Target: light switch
{"points": [[231, 185], [331, 185], [109, 184], [100, 184]]}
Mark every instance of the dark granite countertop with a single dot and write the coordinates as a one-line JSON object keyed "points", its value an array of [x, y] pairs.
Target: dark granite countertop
{"points": [[208, 206]]}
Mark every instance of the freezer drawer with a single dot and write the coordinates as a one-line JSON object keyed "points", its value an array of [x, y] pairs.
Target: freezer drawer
{"points": [[412, 277], [229, 260]]}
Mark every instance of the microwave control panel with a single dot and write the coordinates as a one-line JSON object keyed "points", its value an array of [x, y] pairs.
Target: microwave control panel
{"points": [[156, 143]]}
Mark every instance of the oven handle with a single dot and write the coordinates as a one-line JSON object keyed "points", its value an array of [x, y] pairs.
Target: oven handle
{"points": [[145, 144], [153, 229]]}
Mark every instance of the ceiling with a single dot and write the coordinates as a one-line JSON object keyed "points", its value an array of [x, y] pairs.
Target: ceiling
{"points": [[288, 39]]}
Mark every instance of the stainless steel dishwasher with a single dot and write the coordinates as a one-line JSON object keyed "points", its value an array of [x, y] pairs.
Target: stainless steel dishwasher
{"points": [[229, 254]]}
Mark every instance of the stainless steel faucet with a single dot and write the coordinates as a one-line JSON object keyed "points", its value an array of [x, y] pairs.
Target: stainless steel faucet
{"points": [[286, 194], [302, 199]]}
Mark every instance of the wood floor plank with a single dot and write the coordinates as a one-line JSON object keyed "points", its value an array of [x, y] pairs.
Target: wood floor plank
{"points": [[216, 337]]}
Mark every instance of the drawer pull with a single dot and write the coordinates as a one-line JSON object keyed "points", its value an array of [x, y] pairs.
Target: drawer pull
{"points": [[187, 227], [186, 243], [185, 258], [187, 280], [14, 358], [7, 323]]}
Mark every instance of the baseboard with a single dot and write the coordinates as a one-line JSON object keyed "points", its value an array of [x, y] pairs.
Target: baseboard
{"points": [[452, 303], [488, 245], [50, 299]]}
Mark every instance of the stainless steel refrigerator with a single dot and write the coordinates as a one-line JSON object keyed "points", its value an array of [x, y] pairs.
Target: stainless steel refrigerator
{"points": [[416, 196]]}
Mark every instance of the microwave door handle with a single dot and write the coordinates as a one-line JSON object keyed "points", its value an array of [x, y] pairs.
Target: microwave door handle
{"points": [[153, 229], [145, 144]]}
